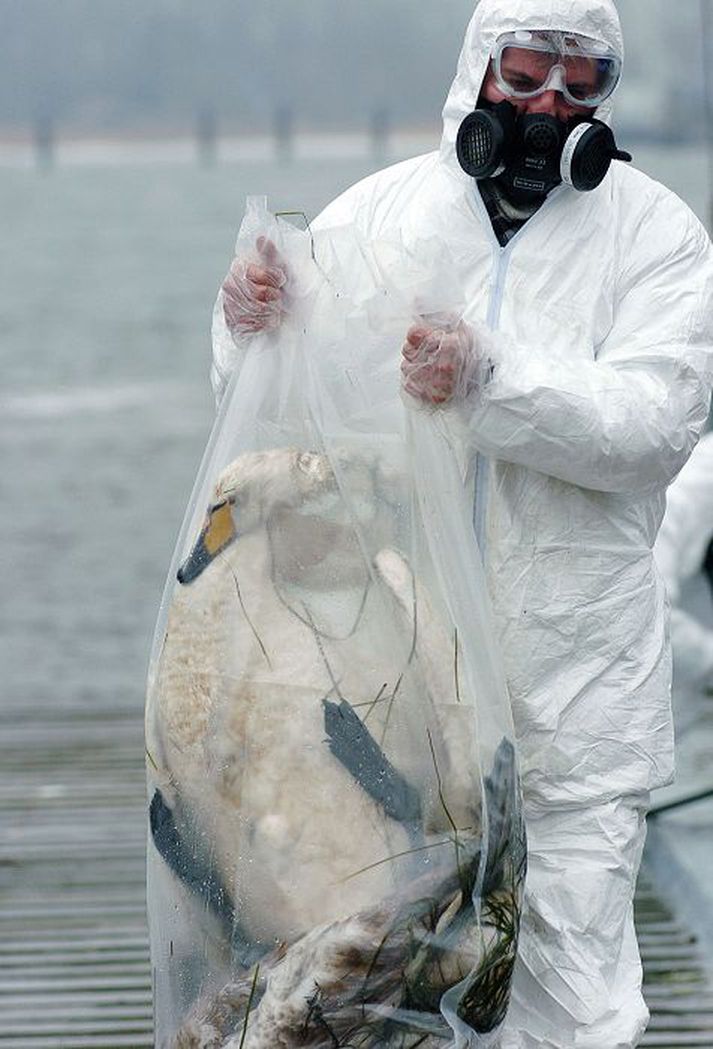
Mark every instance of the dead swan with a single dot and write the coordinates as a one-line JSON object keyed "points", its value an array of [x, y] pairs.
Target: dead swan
{"points": [[276, 637]]}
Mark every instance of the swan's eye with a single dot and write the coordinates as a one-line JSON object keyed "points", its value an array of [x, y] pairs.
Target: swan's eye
{"points": [[305, 462]]}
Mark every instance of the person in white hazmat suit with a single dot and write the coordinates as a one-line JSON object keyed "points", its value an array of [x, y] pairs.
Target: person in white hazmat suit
{"points": [[578, 381], [680, 552]]}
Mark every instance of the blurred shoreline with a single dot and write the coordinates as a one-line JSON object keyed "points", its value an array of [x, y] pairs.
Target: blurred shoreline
{"points": [[75, 150], [68, 149]]}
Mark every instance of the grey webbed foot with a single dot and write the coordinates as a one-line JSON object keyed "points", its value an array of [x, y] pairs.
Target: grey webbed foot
{"points": [[198, 875], [352, 744]]}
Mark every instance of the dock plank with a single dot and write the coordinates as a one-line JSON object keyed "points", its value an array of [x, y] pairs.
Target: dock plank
{"points": [[74, 956]]}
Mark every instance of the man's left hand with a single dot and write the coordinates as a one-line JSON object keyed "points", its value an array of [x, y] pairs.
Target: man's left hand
{"points": [[439, 365]]}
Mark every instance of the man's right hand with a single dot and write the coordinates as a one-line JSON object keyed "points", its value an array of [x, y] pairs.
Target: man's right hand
{"points": [[254, 293]]}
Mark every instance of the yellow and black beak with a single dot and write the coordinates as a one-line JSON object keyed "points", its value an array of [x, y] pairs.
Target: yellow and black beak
{"points": [[217, 533]]}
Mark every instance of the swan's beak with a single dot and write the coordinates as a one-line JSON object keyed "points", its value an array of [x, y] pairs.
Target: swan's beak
{"points": [[218, 532]]}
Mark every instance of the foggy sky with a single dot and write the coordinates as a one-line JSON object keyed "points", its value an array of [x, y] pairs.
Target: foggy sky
{"points": [[122, 65]]}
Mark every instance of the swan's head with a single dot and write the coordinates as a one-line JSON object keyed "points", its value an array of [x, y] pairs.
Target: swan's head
{"points": [[248, 492]]}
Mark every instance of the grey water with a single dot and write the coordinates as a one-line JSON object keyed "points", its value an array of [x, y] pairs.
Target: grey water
{"points": [[108, 281]]}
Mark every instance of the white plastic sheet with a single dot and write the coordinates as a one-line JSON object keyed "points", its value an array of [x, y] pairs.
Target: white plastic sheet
{"points": [[336, 849]]}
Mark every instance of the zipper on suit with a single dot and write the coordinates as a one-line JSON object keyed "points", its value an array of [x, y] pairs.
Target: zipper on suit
{"points": [[501, 256], [482, 464]]}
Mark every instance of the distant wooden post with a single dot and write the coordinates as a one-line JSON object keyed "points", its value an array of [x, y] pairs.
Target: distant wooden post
{"points": [[283, 128], [379, 126], [44, 141], [207, 136]]}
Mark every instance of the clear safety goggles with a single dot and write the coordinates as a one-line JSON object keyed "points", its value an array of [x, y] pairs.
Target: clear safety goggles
{"points": [[527, 64]]}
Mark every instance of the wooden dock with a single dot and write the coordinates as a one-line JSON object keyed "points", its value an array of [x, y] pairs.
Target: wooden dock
{"points": [[74, 965]]}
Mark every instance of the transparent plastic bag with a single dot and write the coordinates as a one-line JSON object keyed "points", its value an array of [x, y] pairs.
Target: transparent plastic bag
{"points": [[336, 849]]}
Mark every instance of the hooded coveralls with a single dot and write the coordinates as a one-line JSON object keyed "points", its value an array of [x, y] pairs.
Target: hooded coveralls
{"points": [[596, 320]]}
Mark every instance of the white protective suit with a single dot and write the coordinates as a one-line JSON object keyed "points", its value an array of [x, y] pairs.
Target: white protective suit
{"points": [[596, 319], [680, 550]]}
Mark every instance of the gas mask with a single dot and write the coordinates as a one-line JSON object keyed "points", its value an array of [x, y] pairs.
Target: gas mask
{"points": [[531, 153]]}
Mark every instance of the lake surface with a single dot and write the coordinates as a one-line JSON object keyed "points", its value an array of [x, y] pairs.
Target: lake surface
{"points": [[109, 277]]}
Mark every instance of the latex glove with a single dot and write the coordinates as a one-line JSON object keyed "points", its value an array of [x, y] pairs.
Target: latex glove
{"points": [[254, 293], [439, 364]]}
